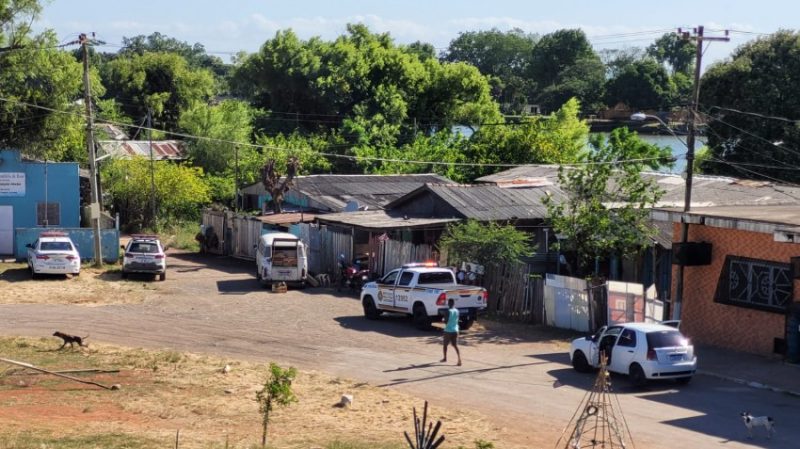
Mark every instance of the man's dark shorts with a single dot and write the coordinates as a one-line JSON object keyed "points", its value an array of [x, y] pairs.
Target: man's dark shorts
{"points": [[451, 337]]}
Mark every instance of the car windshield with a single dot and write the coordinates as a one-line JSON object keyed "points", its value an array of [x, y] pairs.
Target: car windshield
{"points": [[55, 246], [143, 247], [665, 339], [435, 278]]}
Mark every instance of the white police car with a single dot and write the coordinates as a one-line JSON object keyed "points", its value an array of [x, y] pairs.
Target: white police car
{"points": [[144, 254], [53, 253]]}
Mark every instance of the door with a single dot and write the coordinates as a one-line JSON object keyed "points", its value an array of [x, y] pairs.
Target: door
{"points": [[6, 230], [624, 351], [386, 289], [402, 293], [606, 345]]}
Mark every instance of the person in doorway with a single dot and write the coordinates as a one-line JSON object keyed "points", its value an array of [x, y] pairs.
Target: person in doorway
{"points": [[451, 330]]}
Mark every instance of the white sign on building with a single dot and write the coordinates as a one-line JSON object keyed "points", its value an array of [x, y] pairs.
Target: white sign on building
{"points": [[12, 184]]}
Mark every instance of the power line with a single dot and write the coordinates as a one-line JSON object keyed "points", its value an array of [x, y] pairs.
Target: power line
{"points": [[754, 114], [334, 155]]}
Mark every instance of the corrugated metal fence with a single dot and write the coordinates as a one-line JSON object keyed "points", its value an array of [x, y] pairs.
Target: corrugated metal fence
{"points": [[245, 232]]}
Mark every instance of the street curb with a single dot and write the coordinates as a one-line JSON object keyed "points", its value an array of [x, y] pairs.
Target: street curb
{"points": [[749, 383]]}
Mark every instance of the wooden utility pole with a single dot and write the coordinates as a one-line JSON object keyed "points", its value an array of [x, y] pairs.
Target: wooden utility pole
{"points": [[154, 221], [94, 207], [698, 37]]}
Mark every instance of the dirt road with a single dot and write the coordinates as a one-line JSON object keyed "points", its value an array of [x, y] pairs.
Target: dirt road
{"points": [[518, 378]]}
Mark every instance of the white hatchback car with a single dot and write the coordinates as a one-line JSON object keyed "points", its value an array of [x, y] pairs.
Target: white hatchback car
{"points": [[641, 350], [53, 253], [144, 254]]}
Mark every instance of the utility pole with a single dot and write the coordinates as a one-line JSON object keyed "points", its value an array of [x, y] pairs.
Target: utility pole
{"points": [[698, 37], [154, 221], [94, 208]]}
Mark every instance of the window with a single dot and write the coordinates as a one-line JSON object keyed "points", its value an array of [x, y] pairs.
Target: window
{"points": [[665, 339], [140, 247], [440, 277], [754, 283], [48, 214], [627, 339], [390, 278], [405, 278], [55, 246]]}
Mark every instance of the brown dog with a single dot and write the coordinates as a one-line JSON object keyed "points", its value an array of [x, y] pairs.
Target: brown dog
{"points": [[71, 339]]}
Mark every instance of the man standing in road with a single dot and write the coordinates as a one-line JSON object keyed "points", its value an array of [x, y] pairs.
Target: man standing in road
{"points": [[451, 330]]}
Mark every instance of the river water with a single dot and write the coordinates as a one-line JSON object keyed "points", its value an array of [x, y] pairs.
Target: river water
{"points": [[676, 144]]}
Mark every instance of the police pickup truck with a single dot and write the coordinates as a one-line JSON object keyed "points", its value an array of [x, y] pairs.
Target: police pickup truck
{"points": [[422, 291]]}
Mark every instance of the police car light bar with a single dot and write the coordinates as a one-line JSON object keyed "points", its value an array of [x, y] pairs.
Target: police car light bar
{"points": [[52, 234], [144, 236], [421, 264]]}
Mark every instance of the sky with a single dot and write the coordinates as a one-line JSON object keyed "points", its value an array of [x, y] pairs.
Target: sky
{"points": [[225, 27]]}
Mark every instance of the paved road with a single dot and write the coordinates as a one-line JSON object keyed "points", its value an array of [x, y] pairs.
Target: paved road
{"points": [[214, 305]]}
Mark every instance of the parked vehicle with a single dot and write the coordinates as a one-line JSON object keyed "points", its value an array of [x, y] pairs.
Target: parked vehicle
{"points": [[640, 350], [422, 291], [144, 254], [53, 253], [281, 257], [355, 275]]}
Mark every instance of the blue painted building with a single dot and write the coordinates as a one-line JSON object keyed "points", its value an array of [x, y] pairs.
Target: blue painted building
{"points": [[36, 194]]}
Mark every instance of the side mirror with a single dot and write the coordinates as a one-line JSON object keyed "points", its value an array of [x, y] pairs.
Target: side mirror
{"points": [[29, 245]]}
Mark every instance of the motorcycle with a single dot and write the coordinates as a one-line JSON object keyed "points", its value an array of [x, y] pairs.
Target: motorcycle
{"points": [[353, 276]]}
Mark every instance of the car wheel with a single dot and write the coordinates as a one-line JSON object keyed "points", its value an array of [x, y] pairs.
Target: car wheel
{"points": [[162, 276], [579, 362], [77, 273], [683, 380], [33, 273], [636, 375], [466, 324], [124, 275], [370, 311], [421, 319]]}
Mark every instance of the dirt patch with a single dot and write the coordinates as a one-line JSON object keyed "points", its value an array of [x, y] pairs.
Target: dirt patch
{"points": [[165, 390], [93, 287]]}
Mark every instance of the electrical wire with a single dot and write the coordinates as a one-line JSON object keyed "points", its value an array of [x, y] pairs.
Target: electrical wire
{"points": [[320, 153], [754, 114]]}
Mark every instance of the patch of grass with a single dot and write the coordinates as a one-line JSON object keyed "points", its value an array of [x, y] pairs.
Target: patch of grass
{"points": [[103, 440], [181, 236]]}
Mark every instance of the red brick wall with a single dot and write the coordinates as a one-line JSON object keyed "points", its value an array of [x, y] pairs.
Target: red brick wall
{"points": [[708, 322]]}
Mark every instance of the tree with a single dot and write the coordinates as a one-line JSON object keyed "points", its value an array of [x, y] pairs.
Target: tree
{"points": [[485, 243], [362, 83], [504, 56], [37, 80], [195, 55], [762, 80], [642, 84], [675, 52], [617, 59], [564, 65], [218, 127], [180, 191], [277, 391], [274, 185], [162, 82], [606, 209]]}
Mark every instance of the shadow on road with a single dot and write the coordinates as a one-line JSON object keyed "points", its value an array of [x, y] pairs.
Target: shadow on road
{"points": [[460, 372], [393, 325], [183, 262], [19, 275]]}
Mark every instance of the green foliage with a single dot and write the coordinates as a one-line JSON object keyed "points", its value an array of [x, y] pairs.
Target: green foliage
{"points": [[180, 191], [282, 147], [557, 138], [672, 50], [216, 125], [163, 82], [277, 391], [762, 77], [104, 440], [504, 56], [606, 210], [363, 83], [643, 84], [32, 73], [195, 55], [564, 65], [473, 241]]}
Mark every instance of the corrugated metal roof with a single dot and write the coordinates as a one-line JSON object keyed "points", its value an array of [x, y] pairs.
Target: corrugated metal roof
{"points": [[287, 218], [380, 220], [707, 191], [334, 192], [489, 202], [162, 149]]}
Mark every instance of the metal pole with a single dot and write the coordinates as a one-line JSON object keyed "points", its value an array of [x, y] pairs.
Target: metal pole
{"points": [[154, 222], [95, 203]]}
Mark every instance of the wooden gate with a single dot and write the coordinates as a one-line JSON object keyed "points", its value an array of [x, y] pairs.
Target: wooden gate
{"points": [[514, 293], [245, 232]]}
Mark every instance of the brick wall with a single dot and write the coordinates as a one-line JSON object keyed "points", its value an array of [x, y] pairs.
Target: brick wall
{"points": [[708, 322]]}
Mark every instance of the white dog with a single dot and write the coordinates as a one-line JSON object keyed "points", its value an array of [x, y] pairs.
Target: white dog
{"points": [[751, 421]]}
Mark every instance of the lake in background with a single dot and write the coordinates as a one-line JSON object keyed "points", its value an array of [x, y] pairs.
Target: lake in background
{"points": [[678, 147]]}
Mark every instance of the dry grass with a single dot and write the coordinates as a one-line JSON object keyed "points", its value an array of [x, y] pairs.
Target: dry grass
{"points": [[93, 287], [165, 390]]}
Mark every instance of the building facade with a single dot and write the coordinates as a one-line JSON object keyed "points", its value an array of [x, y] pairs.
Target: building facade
{"points": [[36, 194]]}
